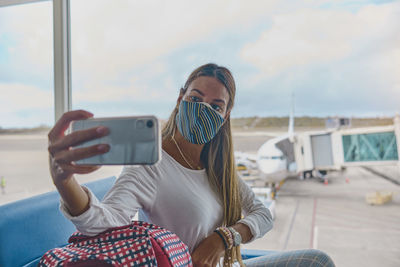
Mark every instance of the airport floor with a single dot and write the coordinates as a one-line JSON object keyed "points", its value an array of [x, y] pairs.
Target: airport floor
{"points": [[335, 218]]}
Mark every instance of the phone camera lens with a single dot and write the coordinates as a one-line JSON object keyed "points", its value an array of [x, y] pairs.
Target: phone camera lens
{"points": [[149, 124]]}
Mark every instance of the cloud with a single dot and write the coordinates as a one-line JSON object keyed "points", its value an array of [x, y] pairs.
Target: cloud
{"points": [[137, 37], [16, 96], [338, 61], [111, 39], [137, 52], [133, 88], [112, 43], [27, 32], [307, 37], [25, 105]]}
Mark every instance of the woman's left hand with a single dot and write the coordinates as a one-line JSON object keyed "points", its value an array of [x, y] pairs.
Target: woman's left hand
{"points": [[208, 252]]}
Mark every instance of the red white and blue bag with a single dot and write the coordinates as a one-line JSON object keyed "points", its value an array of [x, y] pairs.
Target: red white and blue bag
{"points": [[136, 244]]}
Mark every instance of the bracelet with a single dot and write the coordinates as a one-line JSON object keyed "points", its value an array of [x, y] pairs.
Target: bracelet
{"points": [[228, 236], [223, 239]]}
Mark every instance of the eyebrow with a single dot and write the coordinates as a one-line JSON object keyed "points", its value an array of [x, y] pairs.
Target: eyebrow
{"points": [[202, 94]]}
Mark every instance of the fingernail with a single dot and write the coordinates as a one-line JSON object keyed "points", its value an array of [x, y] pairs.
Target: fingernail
{"points": [[103, 147], [101, 130]]}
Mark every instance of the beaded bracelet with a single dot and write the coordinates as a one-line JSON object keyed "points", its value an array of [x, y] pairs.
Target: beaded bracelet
{"points": [[222, 237], [227, 235]]}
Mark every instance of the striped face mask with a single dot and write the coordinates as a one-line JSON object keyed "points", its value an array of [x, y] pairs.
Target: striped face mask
{"points": [[198, 122]]}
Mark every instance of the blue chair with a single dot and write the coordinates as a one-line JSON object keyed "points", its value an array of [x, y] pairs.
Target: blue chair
{"points": [[30, 227], [252, 253]]}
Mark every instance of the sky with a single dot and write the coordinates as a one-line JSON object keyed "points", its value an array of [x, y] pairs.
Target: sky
{"points": [[131, 57]]}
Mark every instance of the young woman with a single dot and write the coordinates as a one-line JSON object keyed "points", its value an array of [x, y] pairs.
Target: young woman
{"points": [[193, 191]]}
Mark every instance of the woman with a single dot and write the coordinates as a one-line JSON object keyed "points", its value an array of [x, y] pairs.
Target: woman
{"points": [[193, 191]]}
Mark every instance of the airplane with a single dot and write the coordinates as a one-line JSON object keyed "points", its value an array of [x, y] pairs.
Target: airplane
{"points": [[274, 162], [275, 158]]}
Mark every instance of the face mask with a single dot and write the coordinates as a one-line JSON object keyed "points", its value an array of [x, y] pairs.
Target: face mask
{"points": [[198, 122]]}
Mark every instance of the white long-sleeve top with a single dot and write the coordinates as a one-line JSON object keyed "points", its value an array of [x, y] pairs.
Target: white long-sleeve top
{"points": [[171, 196]]}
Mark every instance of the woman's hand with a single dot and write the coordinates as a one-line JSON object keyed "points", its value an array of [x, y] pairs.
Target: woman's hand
{"points": [[62, 156], [209, 251]]}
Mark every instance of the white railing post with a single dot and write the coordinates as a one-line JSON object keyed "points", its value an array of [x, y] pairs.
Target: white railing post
{"points": [[62, 57]]}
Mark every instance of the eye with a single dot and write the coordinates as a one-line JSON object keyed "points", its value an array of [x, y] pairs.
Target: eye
{"points": [[216, 107], [194, 99]]}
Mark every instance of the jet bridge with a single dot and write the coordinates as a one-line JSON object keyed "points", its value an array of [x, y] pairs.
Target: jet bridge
{"points": [[336, 149], [362, 148]]}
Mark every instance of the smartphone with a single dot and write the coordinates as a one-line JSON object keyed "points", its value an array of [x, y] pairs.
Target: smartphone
{"points": [[132, 140]]}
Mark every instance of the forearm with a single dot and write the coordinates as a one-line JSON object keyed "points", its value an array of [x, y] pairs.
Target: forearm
{"points": [[75, 198], [257, 217]]}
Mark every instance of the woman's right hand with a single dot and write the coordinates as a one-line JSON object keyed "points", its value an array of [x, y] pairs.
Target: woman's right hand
{"points": [[61, 154]]}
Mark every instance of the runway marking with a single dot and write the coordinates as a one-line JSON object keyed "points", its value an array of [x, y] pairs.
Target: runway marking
{"points": [[313, 224], [291, 225]]}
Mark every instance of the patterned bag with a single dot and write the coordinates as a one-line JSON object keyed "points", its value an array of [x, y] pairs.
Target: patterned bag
{"points": [[136, 244]]}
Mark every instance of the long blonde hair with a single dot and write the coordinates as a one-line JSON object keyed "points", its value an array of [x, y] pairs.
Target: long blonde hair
{"points": [[217, 155]]}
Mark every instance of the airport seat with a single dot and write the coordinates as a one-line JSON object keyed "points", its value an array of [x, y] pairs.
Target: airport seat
{"points": [[253, 253], [30, 227]]}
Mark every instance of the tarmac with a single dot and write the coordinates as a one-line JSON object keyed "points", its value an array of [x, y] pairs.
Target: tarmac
{"points": [[332, 217], [24, 165], [336, 219]]}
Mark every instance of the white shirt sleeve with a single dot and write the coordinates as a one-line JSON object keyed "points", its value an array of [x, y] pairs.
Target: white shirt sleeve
{"points": [[256, 216], [134, 189]]}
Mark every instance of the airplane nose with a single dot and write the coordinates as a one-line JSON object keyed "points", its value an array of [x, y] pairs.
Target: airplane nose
{"points": [[269, 166]]}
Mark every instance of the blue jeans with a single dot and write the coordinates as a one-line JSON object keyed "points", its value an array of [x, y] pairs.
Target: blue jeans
{"points": [[294, 258]]}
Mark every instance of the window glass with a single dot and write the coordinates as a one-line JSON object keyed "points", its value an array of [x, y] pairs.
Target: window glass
{"points": [[26, 98], [370, 147], [338, 58], [131, 57]]}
